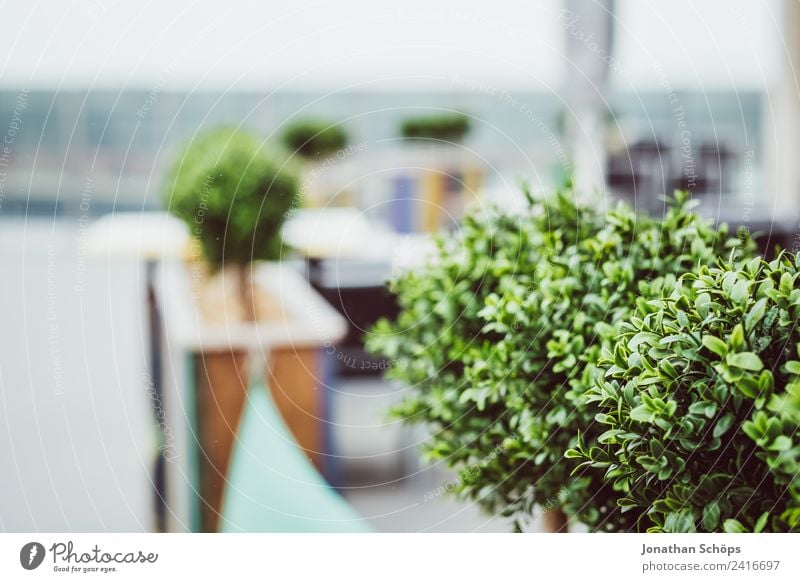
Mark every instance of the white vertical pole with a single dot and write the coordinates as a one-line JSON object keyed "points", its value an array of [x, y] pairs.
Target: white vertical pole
{"points": [[589, 30], [781, 122]]}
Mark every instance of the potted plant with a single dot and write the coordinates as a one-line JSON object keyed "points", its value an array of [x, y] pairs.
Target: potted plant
{"points": [[554, 332], [233, 194], [232, 300], [437, 181], [321, 147], [516, 402], [700, 399], [314, 139], [442, 127]]}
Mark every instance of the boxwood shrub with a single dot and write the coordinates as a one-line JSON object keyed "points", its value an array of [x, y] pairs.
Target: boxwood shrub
{"points": [[314, 138], [554, 332], [233, 194], [447, 127], [502, 369], [701, 402]]}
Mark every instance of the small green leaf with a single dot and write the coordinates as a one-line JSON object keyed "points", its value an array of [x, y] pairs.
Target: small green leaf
{"points": [[761, 523], [748, 386], [710, 516], [656, 448], [740, 291], [680, 522], [745, 361], [752, 430], [786, 283], [668, 369], [723, 425], [715, 344], [733, 526], [641, 414], [792, 367], [756, 313], [704, 408], [781, 443], [737, 337]]}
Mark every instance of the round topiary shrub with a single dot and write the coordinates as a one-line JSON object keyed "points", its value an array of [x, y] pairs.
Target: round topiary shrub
{"points": [[701, 402], [314, 138], [233, 194], [446, 127], [514, 401]]}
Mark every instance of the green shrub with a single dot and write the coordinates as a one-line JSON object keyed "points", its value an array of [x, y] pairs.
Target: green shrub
{"points": [[448, 127], [314, 138], [439, 335], [502, 369], [553, 333], [701, 402], [233, 195]]}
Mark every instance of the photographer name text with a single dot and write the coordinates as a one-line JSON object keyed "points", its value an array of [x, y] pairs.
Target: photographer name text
{"points": [[698, 549]]}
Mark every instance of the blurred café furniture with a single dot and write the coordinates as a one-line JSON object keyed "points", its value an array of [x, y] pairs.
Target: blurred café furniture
{"points": [[647, 168], [207, 377], [349, 260], [150, 238], [272, 486], [642, 172], [199, 369]]}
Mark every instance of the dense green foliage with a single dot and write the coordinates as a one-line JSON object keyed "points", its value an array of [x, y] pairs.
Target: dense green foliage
{"points": [[233, 194], [448, 127], [499, 336], [439, 335], [701, 402], [314, 138], [553, 333]]}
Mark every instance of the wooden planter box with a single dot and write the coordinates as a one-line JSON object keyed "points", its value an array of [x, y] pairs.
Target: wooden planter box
{"points": [[205, 378]]}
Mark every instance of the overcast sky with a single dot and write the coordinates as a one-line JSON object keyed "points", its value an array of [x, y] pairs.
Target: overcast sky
{"points": [[244, 45]]}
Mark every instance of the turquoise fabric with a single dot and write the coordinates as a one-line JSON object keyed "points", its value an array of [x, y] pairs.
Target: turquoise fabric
{"points": [[272, 486]]}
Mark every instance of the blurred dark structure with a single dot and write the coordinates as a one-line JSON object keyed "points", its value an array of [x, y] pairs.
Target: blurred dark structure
{"points": [[647, 168], [358, 290]]}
